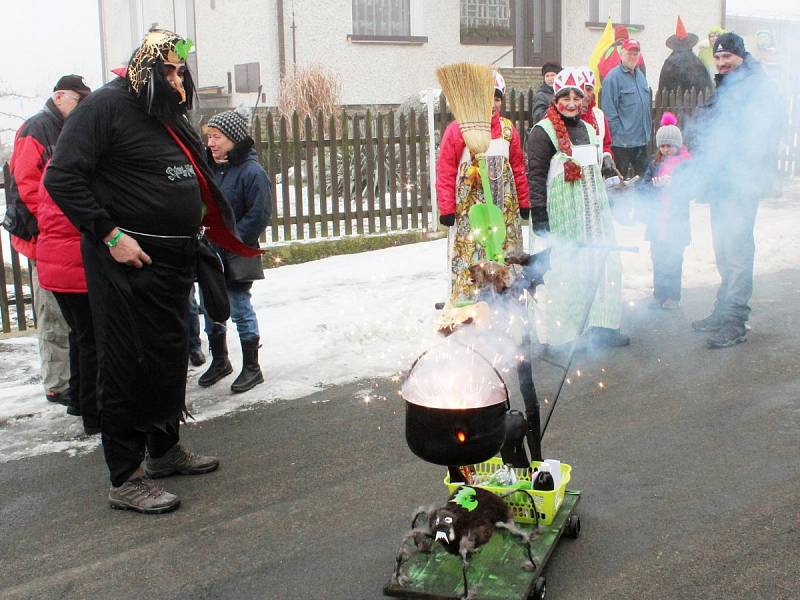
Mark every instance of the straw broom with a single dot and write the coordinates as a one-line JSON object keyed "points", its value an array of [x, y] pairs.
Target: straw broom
{"points": [[469, 89]]}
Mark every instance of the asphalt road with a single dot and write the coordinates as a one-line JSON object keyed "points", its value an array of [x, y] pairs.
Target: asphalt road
{"points": [[688, 461]]}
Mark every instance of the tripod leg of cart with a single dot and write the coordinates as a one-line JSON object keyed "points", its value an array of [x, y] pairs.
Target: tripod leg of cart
{"points": [[530, 399]]}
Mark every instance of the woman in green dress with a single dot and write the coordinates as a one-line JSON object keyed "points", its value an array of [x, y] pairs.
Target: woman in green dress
{"points": [[569, 208]]}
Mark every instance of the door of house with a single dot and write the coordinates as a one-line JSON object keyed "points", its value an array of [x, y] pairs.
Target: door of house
{"points": [[542, 25]]}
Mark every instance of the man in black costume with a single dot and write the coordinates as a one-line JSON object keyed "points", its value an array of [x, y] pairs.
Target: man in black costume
{"points": [[130, 175]]}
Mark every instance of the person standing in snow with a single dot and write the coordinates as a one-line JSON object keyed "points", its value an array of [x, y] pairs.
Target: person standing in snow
{"points": [[459, 188], [568, 200], [668, 225], [544, 95], [740, 149], [33, 147], [626, 99], [129, 173], [247, 188]]}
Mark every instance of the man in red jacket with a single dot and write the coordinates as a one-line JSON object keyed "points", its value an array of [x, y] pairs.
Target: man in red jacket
{"points": [[33, 147]]}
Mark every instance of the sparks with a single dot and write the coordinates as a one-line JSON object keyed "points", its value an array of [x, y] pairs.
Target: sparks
{"points": [[601, 385]]}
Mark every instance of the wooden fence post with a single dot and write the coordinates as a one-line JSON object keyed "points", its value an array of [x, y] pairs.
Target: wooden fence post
{"points": [[369, 150], [298, 178], [323, 196], [392, 173], [381, 158], [311, 194], [346, 157], [287, 209]]}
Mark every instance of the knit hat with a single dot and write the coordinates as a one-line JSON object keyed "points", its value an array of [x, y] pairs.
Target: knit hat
{"points": [[669, 134], [232, 124], [551, 67], [730, 42], [73, 83]]}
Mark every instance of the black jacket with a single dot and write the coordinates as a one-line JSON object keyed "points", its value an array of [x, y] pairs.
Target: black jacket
{"points": [[541, 100], [540, 151], [118, 166]]}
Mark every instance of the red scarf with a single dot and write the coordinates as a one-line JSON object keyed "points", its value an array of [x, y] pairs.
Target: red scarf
{"points": [[572, 170], [217, 231]]}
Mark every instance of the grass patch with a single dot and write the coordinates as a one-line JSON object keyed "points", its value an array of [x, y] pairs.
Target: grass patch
{"points": [[300, 252]]}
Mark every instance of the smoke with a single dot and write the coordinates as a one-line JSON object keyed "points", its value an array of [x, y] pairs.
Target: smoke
{"points": [[468, 368]]}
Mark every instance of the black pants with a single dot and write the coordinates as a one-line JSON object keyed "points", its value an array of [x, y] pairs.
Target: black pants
{"points": [[635, 158], [82, 354], [667, 270], [124, 449]]}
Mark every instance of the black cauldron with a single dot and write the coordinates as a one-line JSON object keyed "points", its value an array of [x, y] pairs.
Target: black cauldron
{"points": [[456, 406]]}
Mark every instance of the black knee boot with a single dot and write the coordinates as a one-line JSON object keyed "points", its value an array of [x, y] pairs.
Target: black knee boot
{"points": [[220, 365], [251, 371]]}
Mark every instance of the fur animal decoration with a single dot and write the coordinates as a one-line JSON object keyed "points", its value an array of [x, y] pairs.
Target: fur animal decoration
{"points": [[467, 521]]}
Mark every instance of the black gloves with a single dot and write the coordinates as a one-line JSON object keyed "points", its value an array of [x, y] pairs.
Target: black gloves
{"points": [[539, 220], [524, 213], [447, 220]]}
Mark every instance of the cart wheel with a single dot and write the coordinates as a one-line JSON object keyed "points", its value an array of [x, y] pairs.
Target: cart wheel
{"points": [[573, 528], [539, 590]]}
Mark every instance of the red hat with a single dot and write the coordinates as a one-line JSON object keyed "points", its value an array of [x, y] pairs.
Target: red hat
{"points": [[631, 45]]}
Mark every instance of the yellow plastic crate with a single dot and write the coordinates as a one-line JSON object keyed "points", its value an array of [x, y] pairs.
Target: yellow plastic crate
{"points": [[547, 503]]}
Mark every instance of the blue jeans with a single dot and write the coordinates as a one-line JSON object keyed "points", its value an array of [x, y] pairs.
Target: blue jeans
{"points": [[242, 313], [732, 225], [194, 323]]}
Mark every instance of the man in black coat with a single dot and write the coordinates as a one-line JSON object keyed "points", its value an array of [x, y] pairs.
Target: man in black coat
{"points": [[129, 173], [736, 161]]}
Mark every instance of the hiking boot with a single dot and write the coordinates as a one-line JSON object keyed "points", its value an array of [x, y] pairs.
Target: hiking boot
{"points": [[59, 397], [220, 365], [181, 461], [142, 495], [197, 358], [251, 374], [713, 322], [670, 304], [731, 333], [608, 338]]}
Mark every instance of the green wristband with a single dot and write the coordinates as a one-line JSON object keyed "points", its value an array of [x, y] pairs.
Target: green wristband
{"points": [[114, 239]]}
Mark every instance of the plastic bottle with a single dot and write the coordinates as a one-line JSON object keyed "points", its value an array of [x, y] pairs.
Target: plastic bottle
{"points": [[544, 480], [555, 471]]}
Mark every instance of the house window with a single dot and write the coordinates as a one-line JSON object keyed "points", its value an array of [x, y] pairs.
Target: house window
{"points": [[248, 77], [599, 12], [385, 18], [488, 22]]}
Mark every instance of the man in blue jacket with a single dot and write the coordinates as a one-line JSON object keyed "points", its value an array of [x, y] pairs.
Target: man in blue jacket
{"points": [[626, 99], [247, 188]]}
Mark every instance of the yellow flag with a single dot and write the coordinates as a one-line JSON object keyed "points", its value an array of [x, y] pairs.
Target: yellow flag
{"points": [[597, 54]]}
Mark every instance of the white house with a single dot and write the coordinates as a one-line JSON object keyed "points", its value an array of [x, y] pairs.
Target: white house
{"points": [[385, 50]]}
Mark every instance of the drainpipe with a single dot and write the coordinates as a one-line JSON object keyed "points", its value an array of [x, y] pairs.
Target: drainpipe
{"points": [[281, 41], [103, 57], [724, 13]]}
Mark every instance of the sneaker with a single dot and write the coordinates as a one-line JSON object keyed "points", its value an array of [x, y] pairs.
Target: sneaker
{"points": [[713, 322], [670, 304], [608, 338], [731, 333], [181, 461], [197, 358], [142, 495]]}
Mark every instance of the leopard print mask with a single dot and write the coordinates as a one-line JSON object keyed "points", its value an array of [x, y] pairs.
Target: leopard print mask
{"points": [[158, 45]]}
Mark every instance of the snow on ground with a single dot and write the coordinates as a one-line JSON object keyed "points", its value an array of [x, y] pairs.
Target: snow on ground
{"points": [[350, 317]]}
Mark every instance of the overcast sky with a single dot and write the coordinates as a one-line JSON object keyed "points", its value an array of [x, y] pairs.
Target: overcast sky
{"points": [[40, 40]]}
